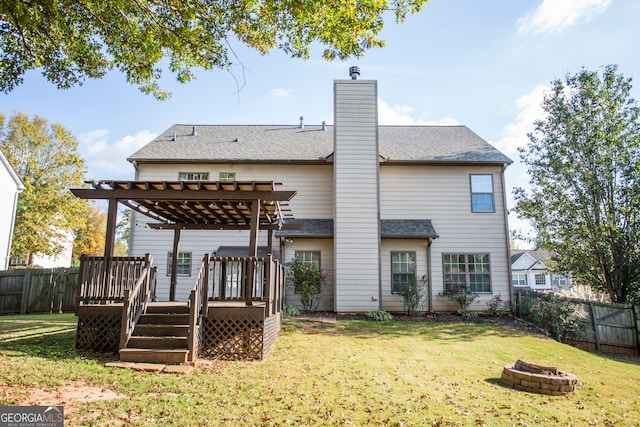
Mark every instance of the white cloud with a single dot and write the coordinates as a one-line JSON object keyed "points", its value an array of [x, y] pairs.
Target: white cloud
{"points": [[280, 93], [514, 135], [108, 160], [553, 16], [529, 107], [402, 115]]}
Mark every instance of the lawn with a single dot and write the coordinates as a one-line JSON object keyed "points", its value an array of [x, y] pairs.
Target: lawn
{"points": [[352, 372]]}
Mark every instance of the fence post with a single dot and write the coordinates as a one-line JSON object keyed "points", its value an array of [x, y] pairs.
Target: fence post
{"points": [[593, 324], [635, 323], [26, 287]]}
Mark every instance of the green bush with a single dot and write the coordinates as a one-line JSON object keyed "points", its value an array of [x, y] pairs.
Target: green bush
{"points": [[308, 281], [380, 315], [462, 296], [558, 316], [412, 294], [497, 306], [290, 310]]}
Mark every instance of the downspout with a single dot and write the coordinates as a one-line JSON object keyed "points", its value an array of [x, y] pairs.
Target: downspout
{"points": [[429, 285], [506, 228]]}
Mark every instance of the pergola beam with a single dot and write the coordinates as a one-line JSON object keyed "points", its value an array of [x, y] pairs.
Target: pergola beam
{"points": [[169, 194]]}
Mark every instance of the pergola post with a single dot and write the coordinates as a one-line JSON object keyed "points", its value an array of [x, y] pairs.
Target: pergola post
{"points": [[174, 264], [110, 237], [253, 250]]}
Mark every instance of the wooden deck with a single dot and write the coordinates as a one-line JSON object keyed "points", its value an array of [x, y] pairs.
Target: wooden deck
{"points": [[238, 325]]}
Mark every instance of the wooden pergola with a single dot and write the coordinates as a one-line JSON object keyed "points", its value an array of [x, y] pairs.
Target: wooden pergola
{"points": [[201, 205]]}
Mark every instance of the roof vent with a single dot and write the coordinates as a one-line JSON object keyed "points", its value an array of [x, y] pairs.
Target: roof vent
{"points": [[193, 131], [175, 137], [324, 125], [354, 72], [301, 122]]}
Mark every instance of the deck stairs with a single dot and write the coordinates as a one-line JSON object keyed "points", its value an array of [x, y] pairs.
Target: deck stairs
{"points": [[160, 336]]}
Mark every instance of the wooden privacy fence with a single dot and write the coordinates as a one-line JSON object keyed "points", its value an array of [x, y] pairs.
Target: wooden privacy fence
{"points": [[38, 291], [613, 328]]}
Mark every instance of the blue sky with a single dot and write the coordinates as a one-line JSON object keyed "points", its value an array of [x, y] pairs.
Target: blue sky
{"points": [[483, 64]]}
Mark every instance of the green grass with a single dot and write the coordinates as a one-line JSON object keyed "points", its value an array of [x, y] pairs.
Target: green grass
{"points": [[349, 373]]}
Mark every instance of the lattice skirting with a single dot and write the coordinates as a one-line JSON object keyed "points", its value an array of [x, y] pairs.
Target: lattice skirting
{"points": [[99, 330], [237, 333]]}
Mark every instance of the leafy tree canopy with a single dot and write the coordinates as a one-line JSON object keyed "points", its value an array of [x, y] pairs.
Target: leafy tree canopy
{"points": [[45, 157], [584, 162], [90, 232], [71, 40]]}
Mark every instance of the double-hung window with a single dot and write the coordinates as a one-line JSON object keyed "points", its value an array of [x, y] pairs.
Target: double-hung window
{"points": [[519, 279], [472, 271], [541, 279], [184, 263], [482, 193], [309, 257], [559, 280], [403, 270], [227, 176], [193, 176]]}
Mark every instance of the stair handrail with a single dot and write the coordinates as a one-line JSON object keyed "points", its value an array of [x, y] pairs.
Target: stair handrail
{"points": [[135, 302], [198, 306]]}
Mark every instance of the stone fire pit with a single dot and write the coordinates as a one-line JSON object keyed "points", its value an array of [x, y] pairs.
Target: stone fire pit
{"points": [[538, 379]]}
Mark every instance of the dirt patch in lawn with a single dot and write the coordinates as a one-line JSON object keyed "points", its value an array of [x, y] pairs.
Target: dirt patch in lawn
{"points": [[67, 395]]}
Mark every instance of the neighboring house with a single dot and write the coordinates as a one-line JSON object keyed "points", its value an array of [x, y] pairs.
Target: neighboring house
{"points": [[529, 269], [380, 206], [11, 186], [62, 259]]}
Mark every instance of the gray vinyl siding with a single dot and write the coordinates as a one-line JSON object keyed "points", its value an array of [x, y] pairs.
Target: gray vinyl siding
{"points": [[442, 194], [356, 217]]}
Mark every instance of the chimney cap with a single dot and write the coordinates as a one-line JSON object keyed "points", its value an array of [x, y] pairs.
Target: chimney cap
{"points": [[354, 72]]}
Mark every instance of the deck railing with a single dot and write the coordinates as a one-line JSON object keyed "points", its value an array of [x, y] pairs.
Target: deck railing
{"points": [[248, 280], [198, 305], [104, 279], [135, 303]]}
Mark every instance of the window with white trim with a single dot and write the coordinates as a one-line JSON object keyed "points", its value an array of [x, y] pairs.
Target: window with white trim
{"points": [[482, 193], [193, 176], [227, 176], [470, 270], [541, 279], [519, 279], [309, 257], [184, 263], [559, 280], [403, 270]]}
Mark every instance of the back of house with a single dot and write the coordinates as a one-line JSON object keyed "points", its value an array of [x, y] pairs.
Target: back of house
{"points": [[377, 207]]}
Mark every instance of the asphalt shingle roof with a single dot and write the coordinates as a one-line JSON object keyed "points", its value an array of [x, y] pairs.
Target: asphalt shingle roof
{"points": [[287, 143], [389, 228]]}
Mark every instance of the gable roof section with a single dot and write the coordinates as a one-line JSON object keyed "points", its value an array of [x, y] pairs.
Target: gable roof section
{"points": [[537, 258], [12, 173], [312, 144], [389, 229]]}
